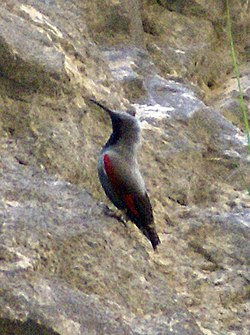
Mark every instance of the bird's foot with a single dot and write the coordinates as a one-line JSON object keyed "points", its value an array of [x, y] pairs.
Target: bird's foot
{"points": [[123, 219], [116, 214]]}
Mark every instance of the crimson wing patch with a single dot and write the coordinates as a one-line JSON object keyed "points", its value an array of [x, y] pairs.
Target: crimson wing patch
{"points": [[130, 203], [138, 206], [127, 198]]}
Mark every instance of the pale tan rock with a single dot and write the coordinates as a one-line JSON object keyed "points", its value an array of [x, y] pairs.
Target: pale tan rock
{"points": [[65, 266]]}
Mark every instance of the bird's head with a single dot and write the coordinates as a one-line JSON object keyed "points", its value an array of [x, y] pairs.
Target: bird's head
{"points": [[126, 128]]}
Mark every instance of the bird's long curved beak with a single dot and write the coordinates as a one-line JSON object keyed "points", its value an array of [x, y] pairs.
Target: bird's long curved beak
{"points": [[101, 106]]}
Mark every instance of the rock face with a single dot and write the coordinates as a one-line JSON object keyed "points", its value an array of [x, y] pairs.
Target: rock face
{"points": [[66, 267]]}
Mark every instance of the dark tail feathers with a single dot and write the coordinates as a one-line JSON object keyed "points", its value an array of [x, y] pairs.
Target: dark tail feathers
{"points": [[154, 239]]}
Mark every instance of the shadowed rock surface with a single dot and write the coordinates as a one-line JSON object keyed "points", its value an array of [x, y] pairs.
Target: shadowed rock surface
{"points": [[63, 264], [66, 267]]}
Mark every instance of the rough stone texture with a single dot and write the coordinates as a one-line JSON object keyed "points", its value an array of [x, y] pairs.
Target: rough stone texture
{"points": [[190, 38], [66, 267], [28, 56]]}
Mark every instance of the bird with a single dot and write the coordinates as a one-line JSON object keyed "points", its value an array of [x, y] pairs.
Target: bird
{"points": [[119, 172]]}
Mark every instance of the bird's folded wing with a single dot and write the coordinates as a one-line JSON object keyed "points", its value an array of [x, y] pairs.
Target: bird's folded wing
{"points": [[127, 188]]}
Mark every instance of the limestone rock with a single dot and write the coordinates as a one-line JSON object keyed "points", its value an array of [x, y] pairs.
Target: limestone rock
{"points": [[28, 56], [66, 267], [59, 267]]}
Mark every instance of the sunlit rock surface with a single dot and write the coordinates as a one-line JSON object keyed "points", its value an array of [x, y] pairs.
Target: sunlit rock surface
{"points": [[66, 267]]}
